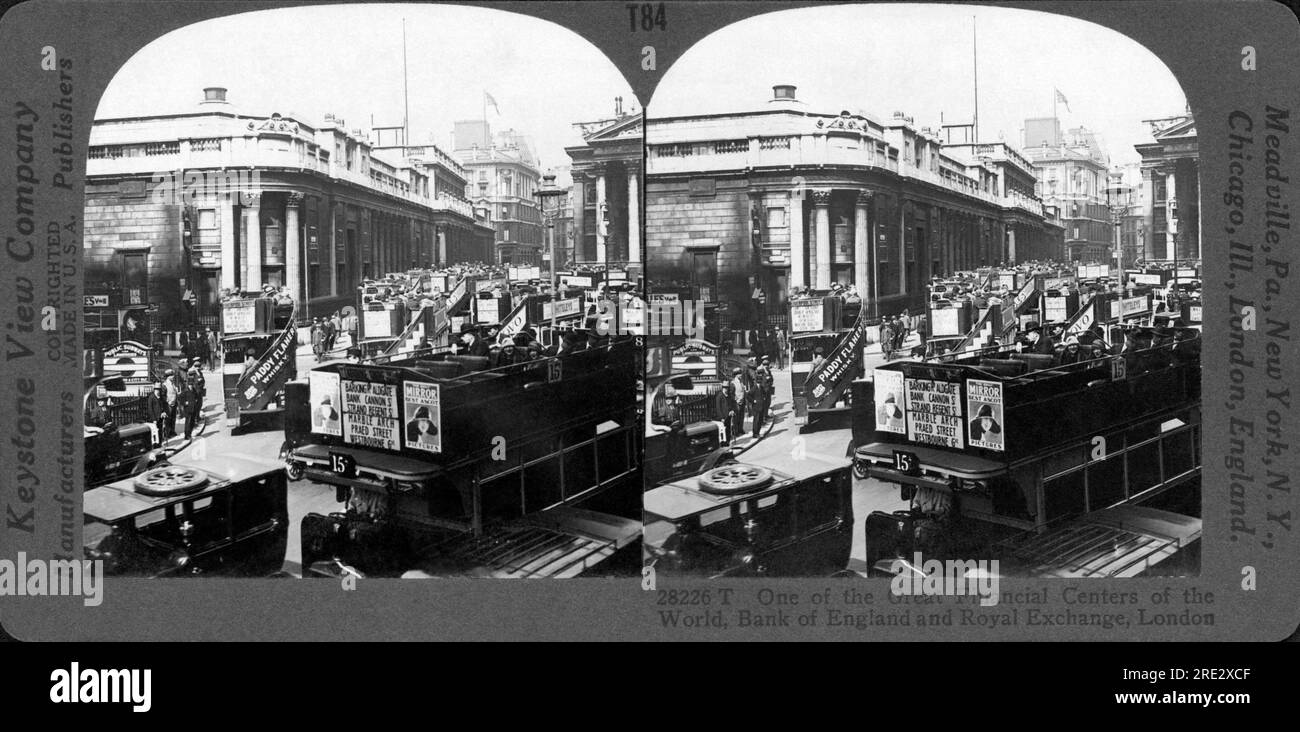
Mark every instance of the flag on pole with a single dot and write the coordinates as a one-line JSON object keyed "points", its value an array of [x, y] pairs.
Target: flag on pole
{"points": [[487, 99], [1061, 98]]}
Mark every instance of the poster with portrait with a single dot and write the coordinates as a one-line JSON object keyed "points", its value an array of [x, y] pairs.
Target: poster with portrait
{"points": [[422, 416], [323, 390], [984, 405], [133, 326], [889, 401]]}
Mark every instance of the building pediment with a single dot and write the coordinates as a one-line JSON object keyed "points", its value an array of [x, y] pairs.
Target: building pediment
{"points": [[1181, 126], [619, 130]]}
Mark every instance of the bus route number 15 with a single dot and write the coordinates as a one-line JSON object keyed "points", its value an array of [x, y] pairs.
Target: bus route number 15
{"points": [[906, 462]]}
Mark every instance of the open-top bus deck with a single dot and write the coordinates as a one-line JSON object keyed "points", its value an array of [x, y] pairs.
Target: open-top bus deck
{"points": [[435, 457], [1002, 451]]}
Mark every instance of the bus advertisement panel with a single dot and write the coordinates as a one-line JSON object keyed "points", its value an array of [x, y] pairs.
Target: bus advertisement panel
{"points": [[423, 414], [370, 416], [934, 412], [323, 388], [888, 396], [984, 404]]}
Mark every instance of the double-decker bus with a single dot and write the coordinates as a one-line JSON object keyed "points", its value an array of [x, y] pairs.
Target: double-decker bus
{"points": [[445, 467], [1082, 469], [259, 343], [826, 345]]}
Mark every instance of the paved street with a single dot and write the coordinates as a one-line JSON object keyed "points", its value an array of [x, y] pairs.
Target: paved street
{"points": [[261, 440], [778, 448]]}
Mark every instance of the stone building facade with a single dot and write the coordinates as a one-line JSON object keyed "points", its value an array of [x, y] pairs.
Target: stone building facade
{"points": [[1171, 173], [606, 192], [181, 207], [782, 197]]}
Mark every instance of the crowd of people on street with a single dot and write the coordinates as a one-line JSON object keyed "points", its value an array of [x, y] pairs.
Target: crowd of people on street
{"points": [[179, 395]]}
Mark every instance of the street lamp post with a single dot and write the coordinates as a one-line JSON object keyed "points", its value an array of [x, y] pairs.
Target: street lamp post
{"points": [[548, 197], [1119, 198]]}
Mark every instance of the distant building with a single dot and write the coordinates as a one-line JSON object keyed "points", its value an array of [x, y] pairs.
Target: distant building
{"points": [[1170, 171], [1072, 176], [503, 179], [182, 206], [781, 197], [606, 194]]}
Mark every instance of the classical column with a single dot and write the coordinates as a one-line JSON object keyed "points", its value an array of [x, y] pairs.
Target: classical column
{"points": [[1171, 201], [226, 214], [252, 259], [577, 194], [334, 253], [440, 247], [602, 231], [633, 216], [902, 249], [292, 258], [797, 259], [1011, 244], [861, 244], [822, 220]]}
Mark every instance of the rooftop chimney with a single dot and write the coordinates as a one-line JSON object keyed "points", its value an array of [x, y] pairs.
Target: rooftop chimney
{"points": [[214, 95], [783, 92]]}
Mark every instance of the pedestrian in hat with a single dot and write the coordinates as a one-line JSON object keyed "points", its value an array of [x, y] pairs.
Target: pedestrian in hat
{"points": [[172, 392], [763, 384], [739, 395], [156, 409]]}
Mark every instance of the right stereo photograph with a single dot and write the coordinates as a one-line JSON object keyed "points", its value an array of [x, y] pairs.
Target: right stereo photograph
{"points": [[933, 282]]}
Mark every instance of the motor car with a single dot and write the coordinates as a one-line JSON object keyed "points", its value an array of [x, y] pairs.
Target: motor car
{"points": [[224, 516]]}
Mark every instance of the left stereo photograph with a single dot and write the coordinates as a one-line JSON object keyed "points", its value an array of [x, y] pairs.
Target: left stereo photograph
{"points": [[363, 297]]}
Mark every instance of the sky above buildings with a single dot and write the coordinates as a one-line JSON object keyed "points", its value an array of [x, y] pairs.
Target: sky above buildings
{"points": [[347, 60], [918, 59]]}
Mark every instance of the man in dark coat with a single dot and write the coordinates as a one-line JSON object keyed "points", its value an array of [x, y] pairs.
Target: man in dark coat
{"points": [[763, 387], [471, 344], [156, 409]]}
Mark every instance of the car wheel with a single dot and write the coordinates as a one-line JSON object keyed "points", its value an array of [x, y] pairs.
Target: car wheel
{"points": [[735, 478], [295, 470], [169, 481], [860, 469]]}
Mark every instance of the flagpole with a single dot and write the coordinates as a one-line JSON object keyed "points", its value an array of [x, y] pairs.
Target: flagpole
{"points": [[406, 97], [975, 63]]}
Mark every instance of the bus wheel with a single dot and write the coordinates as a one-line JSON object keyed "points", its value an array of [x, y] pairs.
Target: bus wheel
{"points": [[736, 478], [169, 481]]}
